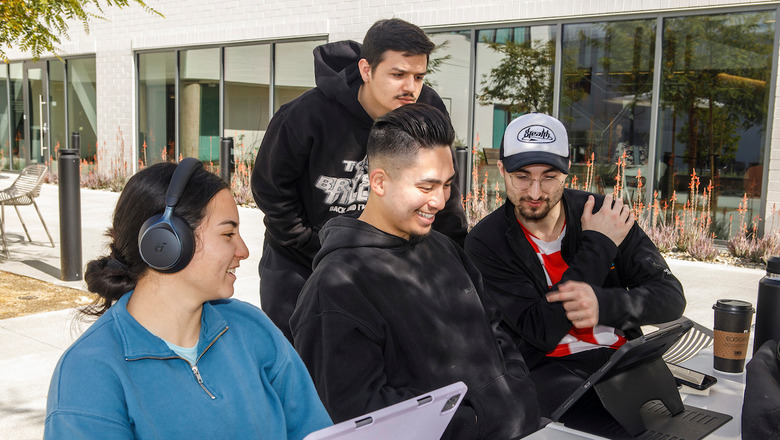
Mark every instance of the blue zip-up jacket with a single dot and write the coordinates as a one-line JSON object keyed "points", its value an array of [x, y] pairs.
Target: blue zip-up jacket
{"points": [[119, 381]]}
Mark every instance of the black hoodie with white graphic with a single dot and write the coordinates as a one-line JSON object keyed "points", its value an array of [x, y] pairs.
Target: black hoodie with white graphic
{"points": [[311, 165]]}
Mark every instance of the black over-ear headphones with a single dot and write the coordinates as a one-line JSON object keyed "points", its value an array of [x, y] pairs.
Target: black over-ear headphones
{"points": [[166, 241]]}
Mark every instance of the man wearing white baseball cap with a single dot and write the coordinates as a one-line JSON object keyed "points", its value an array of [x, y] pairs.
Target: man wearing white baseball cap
{"points": [[574, 274]]}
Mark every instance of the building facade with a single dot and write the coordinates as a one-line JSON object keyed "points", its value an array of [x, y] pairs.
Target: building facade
{"points": [[657, 96]]}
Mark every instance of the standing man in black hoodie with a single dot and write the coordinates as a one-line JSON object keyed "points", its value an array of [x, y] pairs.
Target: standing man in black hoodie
{"points": [[394, 309], [311, 165]]}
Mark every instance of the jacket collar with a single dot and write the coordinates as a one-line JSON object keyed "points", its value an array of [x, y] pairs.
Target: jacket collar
{"points": [[524, 253], [138, 342]]}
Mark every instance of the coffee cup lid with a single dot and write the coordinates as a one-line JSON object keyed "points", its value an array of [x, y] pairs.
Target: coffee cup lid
{"points": [[733, 306], [773, 265]]}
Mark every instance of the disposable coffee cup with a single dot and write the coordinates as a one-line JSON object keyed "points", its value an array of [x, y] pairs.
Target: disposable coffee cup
{"points": [[732, 334]]}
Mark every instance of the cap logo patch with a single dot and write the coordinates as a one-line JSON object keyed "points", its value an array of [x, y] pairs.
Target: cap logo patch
{"points": [[536, 134]]}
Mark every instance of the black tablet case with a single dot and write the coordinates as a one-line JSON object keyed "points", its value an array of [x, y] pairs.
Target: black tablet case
{"points": [[634, 395]]}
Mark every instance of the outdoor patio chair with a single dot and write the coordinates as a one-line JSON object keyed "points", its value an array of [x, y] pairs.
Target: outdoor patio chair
{"points": [[22, 192], [695, 340]]}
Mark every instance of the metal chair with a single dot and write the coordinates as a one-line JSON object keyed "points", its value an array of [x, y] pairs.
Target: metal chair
{"points": [[23, 192], [695, 340]]}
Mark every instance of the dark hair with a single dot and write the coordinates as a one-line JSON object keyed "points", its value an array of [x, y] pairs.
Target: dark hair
{"points": [[113, 275], [396, 35], [398, 135]]}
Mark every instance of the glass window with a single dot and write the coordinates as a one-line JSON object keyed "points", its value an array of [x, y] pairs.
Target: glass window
{"points": [[247, 84], [713, 112], [514, 76], [606, 94], [448, 74], [156, 107], [38, 147], [5, 123], [58, 131], [82, 113], [16, 76], [199, 105], [293, 70]]}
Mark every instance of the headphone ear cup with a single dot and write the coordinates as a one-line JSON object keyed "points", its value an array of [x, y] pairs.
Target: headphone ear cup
{"points": [[186, 244], [164, 246], [166, 241]]}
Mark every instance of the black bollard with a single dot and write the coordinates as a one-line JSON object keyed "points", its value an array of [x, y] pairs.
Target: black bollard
{"points": [[462, 157], [70, 211], [226, 158]]}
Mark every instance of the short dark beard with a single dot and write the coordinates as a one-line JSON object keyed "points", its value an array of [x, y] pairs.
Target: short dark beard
{"points": [[550, 201], [533, 215], [414, 238]]}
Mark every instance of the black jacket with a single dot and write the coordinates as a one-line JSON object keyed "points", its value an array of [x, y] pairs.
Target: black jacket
{"points": [[311, 164], [383, 319], [632, 282], [761, 403]]}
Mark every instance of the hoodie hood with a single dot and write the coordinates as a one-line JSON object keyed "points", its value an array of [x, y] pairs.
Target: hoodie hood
{"points": [[336, 73], [347, 231]]}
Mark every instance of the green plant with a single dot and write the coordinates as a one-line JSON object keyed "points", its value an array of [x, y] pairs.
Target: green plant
{"points": [[435, 63], [37, 25], [522, 79]]}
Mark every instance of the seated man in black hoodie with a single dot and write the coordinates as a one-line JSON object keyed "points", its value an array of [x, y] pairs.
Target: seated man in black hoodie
{"points": [[573, 273], [394, 309], [311, 165]]}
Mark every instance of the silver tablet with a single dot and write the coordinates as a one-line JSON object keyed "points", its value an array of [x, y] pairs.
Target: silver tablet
{"points": [[421, 418]]}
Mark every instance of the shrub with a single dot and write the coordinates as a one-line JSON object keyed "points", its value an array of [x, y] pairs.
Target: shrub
{"points": [[702, 248], [476, 202]]}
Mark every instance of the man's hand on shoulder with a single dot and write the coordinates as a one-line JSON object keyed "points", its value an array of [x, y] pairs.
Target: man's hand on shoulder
{"points": [[580, 302], [613, 219]]}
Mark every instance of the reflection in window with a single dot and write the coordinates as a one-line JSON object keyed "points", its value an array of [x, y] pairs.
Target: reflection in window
{"points": [[448, 74], [35, 104], [199, 105], [58, 130], [5, 139], [17, 115], [294, 70], [606, 94], [156, 111], [247, 79], [713, 115], [82, 99], [514, 75]]}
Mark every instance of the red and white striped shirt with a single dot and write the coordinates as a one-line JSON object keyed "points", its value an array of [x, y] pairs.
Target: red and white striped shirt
{"points": [[576, 340]]}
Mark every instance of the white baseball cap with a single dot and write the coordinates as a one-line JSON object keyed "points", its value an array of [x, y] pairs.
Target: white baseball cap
{"points": [[534, 139]]}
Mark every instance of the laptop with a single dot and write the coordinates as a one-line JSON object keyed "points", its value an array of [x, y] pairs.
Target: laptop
{"points": [[423, 417], [634, 395]]}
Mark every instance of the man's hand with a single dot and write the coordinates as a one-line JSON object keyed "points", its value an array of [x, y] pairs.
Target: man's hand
{"points": [[614, 221], [580, 302]]}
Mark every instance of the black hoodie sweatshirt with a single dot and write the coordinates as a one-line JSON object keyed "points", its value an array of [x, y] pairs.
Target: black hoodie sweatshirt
{"points": [[311, 165], [383, 319]]}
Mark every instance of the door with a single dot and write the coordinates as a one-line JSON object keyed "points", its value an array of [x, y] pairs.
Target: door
{"points": [[37, 111]]}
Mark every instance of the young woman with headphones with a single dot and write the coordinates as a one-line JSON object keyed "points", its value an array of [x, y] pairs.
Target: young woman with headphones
{"points": [[171, 356]]}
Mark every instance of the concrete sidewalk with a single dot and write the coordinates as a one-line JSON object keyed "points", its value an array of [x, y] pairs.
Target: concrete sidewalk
{"points": [[31, 345]]}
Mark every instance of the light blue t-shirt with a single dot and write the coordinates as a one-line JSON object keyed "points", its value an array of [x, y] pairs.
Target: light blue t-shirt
{"points": [[190, 354]]}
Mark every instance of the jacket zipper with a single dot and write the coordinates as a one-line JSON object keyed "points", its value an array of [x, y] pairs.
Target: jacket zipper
{"points": [[194, 368], [200, 381]]}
